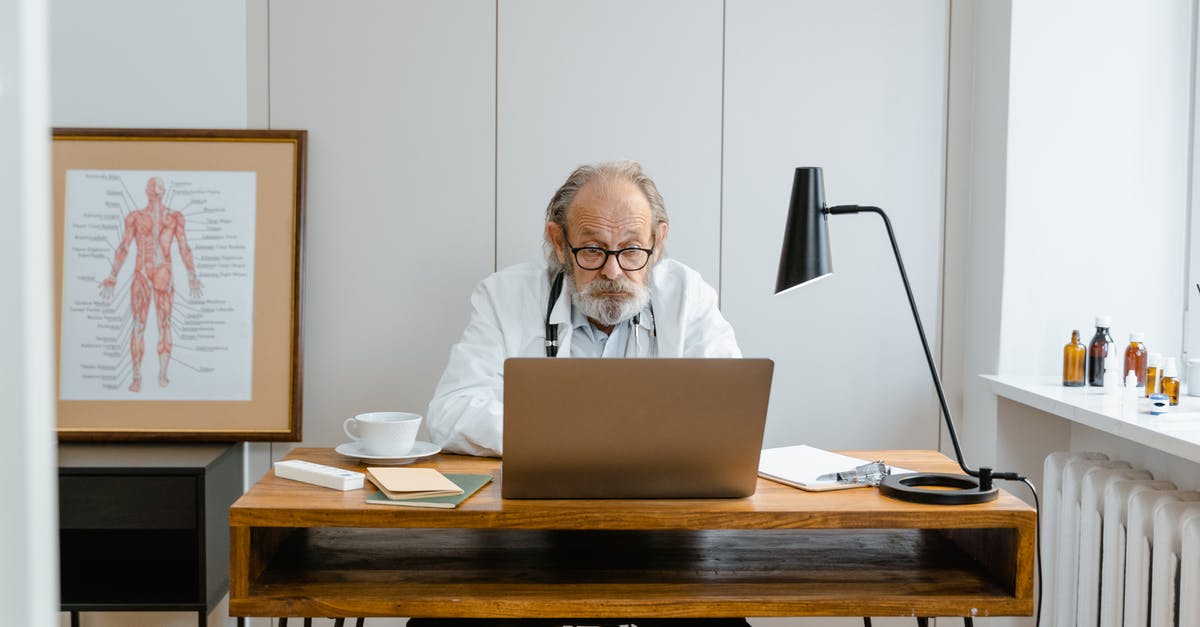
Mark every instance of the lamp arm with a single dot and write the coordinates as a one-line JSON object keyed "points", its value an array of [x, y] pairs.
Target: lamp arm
{"points": [[937, 380]]}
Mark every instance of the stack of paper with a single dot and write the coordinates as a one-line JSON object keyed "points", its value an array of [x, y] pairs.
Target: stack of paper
{"points": [[803, 466], [411, 483], [422, 487]]}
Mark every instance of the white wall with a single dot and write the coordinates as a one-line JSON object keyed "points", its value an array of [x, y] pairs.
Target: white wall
{"points": [[860, 90], [1078, 151], [399, 102], [28, 520], [1097, 176], [143, 63], [568, 95], [975, 215]]}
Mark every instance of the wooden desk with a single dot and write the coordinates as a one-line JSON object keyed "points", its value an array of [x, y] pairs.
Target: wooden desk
{"points": [[300, 550]]}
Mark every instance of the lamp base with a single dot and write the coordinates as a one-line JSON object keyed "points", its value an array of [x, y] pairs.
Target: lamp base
{"points": [[944, 489]]}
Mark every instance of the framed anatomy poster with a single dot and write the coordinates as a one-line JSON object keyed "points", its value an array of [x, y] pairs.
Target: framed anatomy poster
{"points": [[178, 274]]}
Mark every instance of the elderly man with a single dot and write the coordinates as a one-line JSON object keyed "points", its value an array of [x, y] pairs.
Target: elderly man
{"points": [[607, 290]]}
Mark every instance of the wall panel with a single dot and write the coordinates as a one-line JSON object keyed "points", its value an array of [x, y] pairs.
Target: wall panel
{"points": [[581, 82], [858, 88], [398, 99], [144, 63]]}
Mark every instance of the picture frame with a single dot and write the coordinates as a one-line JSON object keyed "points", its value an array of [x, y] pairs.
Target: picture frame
{"points": [[178, 269]]}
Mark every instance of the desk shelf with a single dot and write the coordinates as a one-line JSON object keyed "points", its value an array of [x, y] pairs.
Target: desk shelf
{"points": [[518, 573], [303, 551]]}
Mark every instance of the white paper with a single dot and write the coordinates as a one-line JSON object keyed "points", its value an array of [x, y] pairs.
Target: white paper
{"points": [[207, 214], [800, 465]]}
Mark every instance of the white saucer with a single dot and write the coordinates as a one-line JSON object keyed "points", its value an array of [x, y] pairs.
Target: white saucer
{"points": [[420, 449]]}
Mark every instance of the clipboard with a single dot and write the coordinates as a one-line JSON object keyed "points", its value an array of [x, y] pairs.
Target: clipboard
{"points": [[800, 466]]}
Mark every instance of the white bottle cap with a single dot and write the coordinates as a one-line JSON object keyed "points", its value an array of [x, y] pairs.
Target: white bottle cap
{"points": [[1155, 360], [1171, 369], [1104, 321], [1137, 337], [1130, 379]]}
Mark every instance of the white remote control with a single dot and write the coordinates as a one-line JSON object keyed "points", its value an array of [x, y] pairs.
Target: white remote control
{"points": [[317, 474]]}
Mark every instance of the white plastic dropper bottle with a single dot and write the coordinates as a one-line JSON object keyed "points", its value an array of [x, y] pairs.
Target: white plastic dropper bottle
{"points": [[1129, 395]]}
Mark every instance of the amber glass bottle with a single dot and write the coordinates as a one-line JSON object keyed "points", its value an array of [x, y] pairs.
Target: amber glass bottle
{"points": [[1170, 380], [1153, 373], [1074, 359], [1098, 350], [1135, 358]]}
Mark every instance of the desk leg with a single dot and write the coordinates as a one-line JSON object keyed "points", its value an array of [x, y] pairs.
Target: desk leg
{"points": [[74, 618]]}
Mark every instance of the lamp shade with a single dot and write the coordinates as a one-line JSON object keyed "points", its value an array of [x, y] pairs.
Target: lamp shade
{"points": [[805, 254]]}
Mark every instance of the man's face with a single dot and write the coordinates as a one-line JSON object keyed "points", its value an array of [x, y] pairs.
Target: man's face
{"points": [[611, 215]]}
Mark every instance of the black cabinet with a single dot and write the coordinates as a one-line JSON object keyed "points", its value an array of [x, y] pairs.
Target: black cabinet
{"points": [[146, 526]]}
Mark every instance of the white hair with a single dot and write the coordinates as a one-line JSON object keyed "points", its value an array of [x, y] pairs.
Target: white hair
{"points": [[562, 200]]}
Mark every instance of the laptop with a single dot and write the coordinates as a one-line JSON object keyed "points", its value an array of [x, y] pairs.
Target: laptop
{"points": [[633, 428]]}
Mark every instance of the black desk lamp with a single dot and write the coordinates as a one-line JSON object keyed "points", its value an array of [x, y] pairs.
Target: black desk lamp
{"points": [[805, 258]]}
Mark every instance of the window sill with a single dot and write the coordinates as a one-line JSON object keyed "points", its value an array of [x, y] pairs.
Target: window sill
{"points": [[1176, 432]]}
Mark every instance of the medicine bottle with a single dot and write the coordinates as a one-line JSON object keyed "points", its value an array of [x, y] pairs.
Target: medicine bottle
{"points": [[1153, 374], [1170, 381], [1135, 358], [1098, 350], [1112, 374], [1129, 395], [1074, 359]]}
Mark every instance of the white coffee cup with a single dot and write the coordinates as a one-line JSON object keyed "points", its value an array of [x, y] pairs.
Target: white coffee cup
{"points": [[384, 433]]}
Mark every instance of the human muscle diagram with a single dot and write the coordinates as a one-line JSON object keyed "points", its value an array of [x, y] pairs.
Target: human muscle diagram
{"points": [[158, 285]]}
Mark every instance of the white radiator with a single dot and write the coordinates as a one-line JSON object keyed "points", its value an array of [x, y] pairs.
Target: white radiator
{"points": [[1120, 549], [1189, 570]]}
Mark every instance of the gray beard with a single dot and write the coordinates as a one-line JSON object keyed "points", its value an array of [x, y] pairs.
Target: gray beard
{"points": [[609, 310]]}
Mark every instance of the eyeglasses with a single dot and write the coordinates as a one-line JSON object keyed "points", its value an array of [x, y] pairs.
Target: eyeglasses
{"points": [[594, 257]]}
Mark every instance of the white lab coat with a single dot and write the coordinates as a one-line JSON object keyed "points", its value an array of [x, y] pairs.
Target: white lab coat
{"points": [[508, 314]]}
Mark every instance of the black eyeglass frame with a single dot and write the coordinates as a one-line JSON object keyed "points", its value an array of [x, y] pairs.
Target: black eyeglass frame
{"points": [[608, 253]]}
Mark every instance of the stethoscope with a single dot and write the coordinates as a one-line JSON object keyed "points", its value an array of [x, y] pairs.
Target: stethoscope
{"points": [[552, 329]]}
